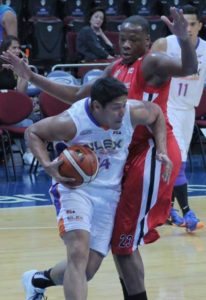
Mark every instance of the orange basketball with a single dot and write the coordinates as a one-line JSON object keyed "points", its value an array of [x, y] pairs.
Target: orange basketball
{"points": [[79, 162]]}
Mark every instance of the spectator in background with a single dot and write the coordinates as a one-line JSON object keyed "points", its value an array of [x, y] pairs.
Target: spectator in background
{"points": [[10, 81], [8, 21], [92, 43]]}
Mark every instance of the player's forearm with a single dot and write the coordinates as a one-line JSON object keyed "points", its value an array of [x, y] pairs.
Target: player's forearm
{"points": [[188, 57], [65, 93], [38, 147], [160, 133]]}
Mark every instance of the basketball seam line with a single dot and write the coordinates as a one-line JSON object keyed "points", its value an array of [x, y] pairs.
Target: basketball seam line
{"points": [[76, 166]]}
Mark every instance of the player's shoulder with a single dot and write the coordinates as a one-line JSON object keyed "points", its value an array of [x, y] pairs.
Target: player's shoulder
{"points": [[202, 42]]}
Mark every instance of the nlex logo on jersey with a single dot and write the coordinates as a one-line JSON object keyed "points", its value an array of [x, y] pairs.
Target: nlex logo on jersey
{"points": [[105, 149], [107, 146]]}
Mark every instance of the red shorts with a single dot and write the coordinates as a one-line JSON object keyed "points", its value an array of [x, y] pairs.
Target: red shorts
{"points": [[146, 199]]}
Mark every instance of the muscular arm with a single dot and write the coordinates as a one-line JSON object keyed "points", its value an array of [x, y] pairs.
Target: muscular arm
{"points": [[10, 23], [160, 65], [60, 127], [150, 114]]}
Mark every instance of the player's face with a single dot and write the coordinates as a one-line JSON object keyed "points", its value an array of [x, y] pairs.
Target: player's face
{"points": [[112, 114], [193, 28], [133, 42]]}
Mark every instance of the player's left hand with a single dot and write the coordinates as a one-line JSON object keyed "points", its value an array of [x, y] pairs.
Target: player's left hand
{"points": [[168, 166], [179, 24]]}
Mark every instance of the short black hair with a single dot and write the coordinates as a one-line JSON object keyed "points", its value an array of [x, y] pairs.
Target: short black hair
{"points": [[137, 21], [6, 43], [93, 11], [189, 9], [105, 90]]}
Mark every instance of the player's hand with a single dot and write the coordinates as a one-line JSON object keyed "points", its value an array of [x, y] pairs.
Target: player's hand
{"points": [[52, 170], [179, 24], [168, 166], [16, 64]]}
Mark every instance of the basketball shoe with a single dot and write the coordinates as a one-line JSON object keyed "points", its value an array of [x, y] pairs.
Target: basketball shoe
{"points": [[175, 218], [192, 222], [32, 293]]}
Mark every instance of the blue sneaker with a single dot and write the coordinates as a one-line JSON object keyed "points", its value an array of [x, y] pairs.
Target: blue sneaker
{"points": [[175, 218], [192, 222]]}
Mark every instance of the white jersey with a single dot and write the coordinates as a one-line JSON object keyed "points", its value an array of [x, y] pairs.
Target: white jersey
{"points": [[185, 92], [111, 146]]}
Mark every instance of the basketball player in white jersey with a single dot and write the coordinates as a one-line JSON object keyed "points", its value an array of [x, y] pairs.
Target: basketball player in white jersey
{"points": [[85, 215], [184, 95]]}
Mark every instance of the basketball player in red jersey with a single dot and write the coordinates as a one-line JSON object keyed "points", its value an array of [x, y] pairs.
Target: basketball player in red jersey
{"points": [[146, 199]]}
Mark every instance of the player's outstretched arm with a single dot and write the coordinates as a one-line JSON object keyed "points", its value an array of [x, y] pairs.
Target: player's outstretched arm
{"points": [[164, 65], [65, 93]]}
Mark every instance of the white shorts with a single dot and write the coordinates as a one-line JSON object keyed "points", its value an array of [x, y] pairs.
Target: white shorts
{"points": [[90, 211], [182, 122]]}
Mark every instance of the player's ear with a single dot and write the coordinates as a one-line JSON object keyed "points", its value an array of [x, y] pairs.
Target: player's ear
{"points": [[96, 105]]}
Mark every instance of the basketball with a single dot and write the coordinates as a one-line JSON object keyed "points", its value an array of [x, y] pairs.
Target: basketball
{"points": [[79, 162]]}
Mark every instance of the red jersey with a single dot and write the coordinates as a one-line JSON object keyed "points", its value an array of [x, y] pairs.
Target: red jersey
{"points": [[138, 88], [145, 199]]}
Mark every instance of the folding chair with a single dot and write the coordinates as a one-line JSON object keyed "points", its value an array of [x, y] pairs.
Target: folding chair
{"points": [[14, 107]]}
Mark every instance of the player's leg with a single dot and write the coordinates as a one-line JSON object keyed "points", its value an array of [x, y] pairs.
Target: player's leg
{"points": [[131, 278], [75, 282], [184, 120], [131, 222], [191, 222], [38, 281]]}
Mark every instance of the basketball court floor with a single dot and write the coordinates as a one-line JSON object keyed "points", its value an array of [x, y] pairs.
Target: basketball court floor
{"points": [[175, 266]]}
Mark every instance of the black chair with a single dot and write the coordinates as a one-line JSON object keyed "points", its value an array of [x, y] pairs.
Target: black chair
{"points": [[112, 8], [74, 8], [166, 4], [158, 28], [142, 8], [47, 39], [46, 8]]}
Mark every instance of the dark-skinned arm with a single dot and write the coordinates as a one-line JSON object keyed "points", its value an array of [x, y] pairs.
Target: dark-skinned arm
{"points": [[160, 64]]}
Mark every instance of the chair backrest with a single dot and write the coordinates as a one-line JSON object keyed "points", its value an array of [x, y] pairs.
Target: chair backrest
{"points": [[158, 28], [92, 74], [114, 38], [51, 106], [47, 39], [201, 108], [14, 107], [71, 37], [41, 8], [62, 77], [77, 8]]}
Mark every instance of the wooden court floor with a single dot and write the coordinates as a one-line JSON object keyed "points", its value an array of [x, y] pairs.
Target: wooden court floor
{"points": [[175, 266]]}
